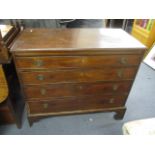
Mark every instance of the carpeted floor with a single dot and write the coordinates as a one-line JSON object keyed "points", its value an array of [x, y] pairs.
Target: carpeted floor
{"points": [[140, 104]]}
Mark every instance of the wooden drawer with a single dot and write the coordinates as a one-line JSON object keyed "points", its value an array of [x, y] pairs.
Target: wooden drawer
{"points": [[73, 76], [52, 62], [75, 104], [64, 90]]}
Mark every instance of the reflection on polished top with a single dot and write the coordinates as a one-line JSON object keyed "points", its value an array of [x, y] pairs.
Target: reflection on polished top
{"points": [[74, 39], [5, 29]]}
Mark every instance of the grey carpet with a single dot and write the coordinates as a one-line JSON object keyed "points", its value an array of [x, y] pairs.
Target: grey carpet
{"points": [[140, 104]]}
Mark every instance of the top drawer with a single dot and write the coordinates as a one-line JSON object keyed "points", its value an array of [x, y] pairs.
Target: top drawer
{"points": [[52, 62]]}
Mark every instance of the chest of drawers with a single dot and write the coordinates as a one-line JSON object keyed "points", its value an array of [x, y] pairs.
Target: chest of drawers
{"points": [[70, 71]]}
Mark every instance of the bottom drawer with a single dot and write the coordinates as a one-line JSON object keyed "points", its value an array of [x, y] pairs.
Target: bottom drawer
{"points": [[76, 104]]}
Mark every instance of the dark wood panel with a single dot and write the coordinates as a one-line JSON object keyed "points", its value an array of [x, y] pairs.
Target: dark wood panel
{"points": [[6, 115], [74, 76], [52, 62], [7, 36], [80, 103], [64, 90]]}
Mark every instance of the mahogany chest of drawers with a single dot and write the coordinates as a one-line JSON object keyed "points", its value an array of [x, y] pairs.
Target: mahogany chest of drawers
{"points": [[70, 71]]}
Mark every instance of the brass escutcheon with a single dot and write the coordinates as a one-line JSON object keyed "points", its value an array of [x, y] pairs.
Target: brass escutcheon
{"points": [[115, 87], [111, 100], [80, 87], [123, 60], [40, 77], [43, 91], [45, 105], [120, 73], [38, 63]]}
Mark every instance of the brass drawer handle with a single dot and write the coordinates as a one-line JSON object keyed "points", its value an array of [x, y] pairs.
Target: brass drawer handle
{"points": [[81, 74], [111, 100], [83, 60], [45, 105], [80, 87], [43, 91], [40, 77], [115, 87], [38, 63], [123, 61], [120, 73]]}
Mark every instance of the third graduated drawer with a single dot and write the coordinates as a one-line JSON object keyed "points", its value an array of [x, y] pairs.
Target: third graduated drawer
{"points": [[77, 75], [53, 62], [78, 89]]}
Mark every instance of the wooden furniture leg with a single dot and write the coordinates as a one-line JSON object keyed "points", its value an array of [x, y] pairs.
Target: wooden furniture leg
{"points": [[120, 113]]}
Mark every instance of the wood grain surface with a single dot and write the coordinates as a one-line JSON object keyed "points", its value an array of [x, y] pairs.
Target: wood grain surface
{"points": [[65, 90], [74, 39], [53, 62], [76, 103]]}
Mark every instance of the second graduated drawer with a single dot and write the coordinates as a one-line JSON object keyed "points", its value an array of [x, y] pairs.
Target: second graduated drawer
{"points": [[53, 62], [77, 75]]}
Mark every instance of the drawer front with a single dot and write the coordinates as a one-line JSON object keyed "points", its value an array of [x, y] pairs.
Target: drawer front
{"points": [[64, 90], [75, 104], [74, 76], [53, 62]]}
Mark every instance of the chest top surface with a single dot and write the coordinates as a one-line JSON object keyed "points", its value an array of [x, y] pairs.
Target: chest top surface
{"points": [[74, 39]]}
